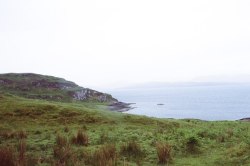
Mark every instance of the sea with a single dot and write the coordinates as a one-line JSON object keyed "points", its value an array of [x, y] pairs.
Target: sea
{"points": [[204, 102]]}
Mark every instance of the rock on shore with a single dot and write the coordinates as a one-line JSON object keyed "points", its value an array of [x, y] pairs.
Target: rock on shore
{"points": [[245, 119], [120, 106]]}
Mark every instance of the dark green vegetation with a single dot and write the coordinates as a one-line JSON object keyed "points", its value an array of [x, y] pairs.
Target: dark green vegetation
{"points": [[40, 132]]}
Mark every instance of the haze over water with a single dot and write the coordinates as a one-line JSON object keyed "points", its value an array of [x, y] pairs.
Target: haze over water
{"points": [[206, 102]]}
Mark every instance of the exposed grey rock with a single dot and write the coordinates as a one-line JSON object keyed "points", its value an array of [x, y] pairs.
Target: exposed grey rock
{"points": [[88, 94], [81, 95], [102, 98]]}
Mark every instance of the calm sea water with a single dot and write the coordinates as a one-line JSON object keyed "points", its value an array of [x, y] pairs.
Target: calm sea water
{"points": [[220, 102]]}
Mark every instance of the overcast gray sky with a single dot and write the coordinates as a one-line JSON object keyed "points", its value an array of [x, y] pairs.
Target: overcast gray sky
{"points": [[112, 43]]}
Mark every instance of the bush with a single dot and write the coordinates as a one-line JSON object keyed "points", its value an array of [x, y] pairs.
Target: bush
{"points": [[7, 157], [206, 134], [229, 133], [103, 137], [132, 150], [104, 156], [66, 129], [192, 144], [163, 153], [80, 139], [221, 138]]}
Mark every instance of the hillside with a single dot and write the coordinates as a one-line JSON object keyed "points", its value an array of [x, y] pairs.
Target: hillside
{"points": [[35, 86], [49, 132]]}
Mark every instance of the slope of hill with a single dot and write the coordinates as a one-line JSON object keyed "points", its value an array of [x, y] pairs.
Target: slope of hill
{"points": [[34, 131], [36, 86], [40, 132]]}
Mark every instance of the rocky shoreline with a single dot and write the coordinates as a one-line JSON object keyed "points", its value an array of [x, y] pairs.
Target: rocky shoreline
{"points": [[120, 106]]}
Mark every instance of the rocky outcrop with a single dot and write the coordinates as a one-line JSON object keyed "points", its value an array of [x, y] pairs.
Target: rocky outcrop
{"points": [[88, 94], [80, 95]]}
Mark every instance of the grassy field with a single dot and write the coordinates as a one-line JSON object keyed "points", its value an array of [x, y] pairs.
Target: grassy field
{"points": [[38, 132]]}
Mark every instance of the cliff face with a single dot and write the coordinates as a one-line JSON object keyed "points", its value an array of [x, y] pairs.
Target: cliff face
{"points": [[37, 86], [85, 94]]}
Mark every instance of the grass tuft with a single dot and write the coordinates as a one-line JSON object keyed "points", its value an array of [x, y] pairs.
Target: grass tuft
{"points": [[80, 139], [164, 153], [63, 152], [7, 157], [22, 151], [105, 156], [61, 141], [22, 134]]}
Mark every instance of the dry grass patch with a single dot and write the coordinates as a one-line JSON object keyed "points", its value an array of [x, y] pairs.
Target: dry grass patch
{"points": [[22, 150], [80, 139], [105, 156], [7, 157], [61, 141], [163, 153]]}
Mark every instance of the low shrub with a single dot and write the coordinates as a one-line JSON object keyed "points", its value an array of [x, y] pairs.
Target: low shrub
{"points": [[37, 132], [192, 144], [229, 133], [221, 138], [105, 138], [207, 134], [66, 129], [132, 150]]}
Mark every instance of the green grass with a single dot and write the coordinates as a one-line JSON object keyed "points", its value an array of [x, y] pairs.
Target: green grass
{"points": [[48, 127]]}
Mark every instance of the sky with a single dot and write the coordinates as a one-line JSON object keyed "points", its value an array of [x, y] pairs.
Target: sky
{"points": [[113, 43]]}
